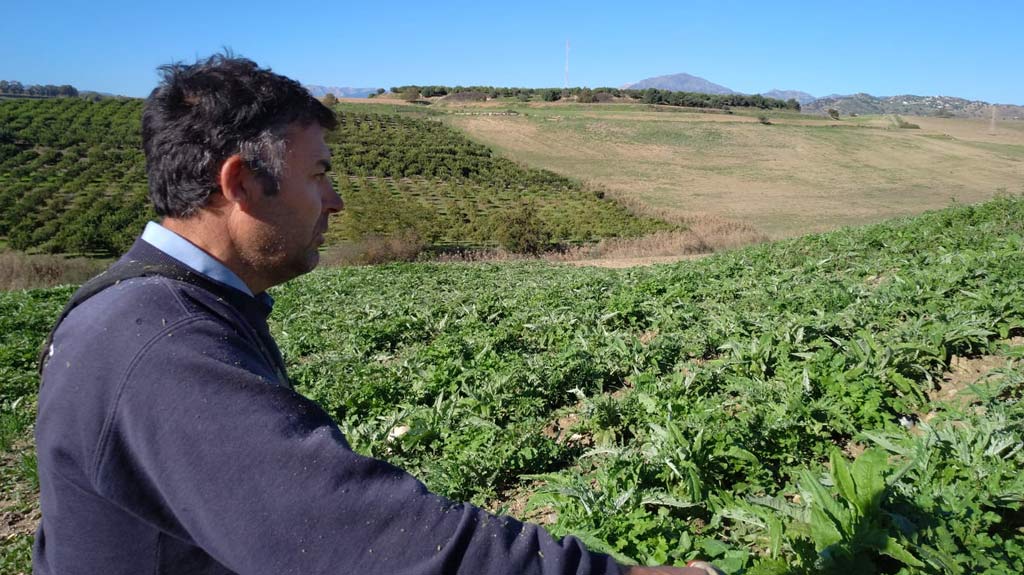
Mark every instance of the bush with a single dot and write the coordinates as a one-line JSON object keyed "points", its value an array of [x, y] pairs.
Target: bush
{"points": [[20, 271], [521, 230], [552, 95], [375, 249], [901, 123]]}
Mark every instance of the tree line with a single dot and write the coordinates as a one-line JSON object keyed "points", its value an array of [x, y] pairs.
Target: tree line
{"points": [[15, 88], [592, 95]]}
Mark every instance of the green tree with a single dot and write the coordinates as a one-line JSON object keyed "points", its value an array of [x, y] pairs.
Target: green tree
{"points": [[552, 95], [520, 230]]}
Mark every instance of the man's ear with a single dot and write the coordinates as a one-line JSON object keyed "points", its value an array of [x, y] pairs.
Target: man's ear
{"points": [[238, 184]]}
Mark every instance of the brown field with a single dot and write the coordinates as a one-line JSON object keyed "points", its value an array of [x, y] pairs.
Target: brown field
{"points": [[800, 174], [21, 271]]}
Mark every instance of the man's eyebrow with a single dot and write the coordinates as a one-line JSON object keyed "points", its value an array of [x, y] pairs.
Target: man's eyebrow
{"points": [[326, 164]]}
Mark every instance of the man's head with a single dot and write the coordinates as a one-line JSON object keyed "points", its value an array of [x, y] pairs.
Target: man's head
{"points": [[237, 164], [202, 114]]}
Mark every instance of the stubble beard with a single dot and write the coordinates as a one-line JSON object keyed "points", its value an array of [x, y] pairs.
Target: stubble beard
{"points": [[276, 260]]}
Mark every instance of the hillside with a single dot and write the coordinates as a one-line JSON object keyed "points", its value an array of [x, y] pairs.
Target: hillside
{"points": [[72, 180], [914, 106], [840, 403], [797, 174]]}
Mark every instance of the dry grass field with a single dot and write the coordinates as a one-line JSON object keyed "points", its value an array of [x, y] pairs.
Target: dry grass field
{"points": [[799, 174]]}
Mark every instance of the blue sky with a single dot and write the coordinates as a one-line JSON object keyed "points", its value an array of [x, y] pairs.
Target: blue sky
{"points": [[960, 49]]}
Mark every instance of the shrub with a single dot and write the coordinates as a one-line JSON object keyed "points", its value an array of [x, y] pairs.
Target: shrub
{"points": [[375, 249], [21, 271], [901, 123], [521, 230]]}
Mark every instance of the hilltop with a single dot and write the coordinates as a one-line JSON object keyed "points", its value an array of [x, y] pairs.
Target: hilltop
{"points": [[802, 97], [689, 83], [680, 83]]}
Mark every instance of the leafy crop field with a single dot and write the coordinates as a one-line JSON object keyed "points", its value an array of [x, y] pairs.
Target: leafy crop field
{"points": [[72, 180], [840, 403]]}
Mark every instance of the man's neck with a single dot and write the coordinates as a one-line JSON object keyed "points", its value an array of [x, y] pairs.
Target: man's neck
{"points": [[212, 234]]}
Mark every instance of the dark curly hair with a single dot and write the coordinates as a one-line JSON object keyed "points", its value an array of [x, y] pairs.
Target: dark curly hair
{"points": [[202, 114]]}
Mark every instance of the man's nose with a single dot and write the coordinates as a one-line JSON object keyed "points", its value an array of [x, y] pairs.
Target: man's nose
{"points": [[332, 201]]}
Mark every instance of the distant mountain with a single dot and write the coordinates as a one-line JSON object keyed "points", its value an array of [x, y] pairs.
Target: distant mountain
{"points": [[680, 83], [321, 91], [802, 97], [913, 106]]}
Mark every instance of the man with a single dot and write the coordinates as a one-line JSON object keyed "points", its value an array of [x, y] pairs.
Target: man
{"points": [[169, 438]]}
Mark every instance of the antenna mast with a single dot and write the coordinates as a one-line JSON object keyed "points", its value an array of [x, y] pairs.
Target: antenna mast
{"points": [[567, 63], [992, 122]]}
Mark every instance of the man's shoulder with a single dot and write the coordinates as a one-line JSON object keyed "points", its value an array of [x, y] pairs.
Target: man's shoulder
{"points": [[153, 301], [126, 317]]}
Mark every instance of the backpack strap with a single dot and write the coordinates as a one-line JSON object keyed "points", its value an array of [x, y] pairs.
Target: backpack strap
{"points": [[116, 274]]}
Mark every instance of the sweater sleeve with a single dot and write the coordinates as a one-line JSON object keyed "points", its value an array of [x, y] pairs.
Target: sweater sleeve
{"points": [[203, 445]]}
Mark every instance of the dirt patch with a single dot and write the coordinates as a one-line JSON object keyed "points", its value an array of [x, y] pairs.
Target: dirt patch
{"points": [[19, 501], [964, 372], [561, 430], [515, 503], [854, 449], [648, 336]]}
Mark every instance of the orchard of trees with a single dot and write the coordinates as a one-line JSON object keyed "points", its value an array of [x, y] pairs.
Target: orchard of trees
{"points": [[399, 174], [72, 180]]}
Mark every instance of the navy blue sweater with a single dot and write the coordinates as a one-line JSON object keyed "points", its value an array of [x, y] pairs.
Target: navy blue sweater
{"points": [[169, 442]]}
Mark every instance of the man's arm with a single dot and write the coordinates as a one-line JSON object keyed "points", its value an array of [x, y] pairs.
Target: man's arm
{"points": [[692, 568], [204, 446]]}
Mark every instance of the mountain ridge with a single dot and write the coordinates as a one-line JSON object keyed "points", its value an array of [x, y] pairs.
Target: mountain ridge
{"points": [[341, 92], [860, 103]]}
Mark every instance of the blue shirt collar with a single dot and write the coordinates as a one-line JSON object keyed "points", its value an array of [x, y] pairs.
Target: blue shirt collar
{"points": [[189, 254]]}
